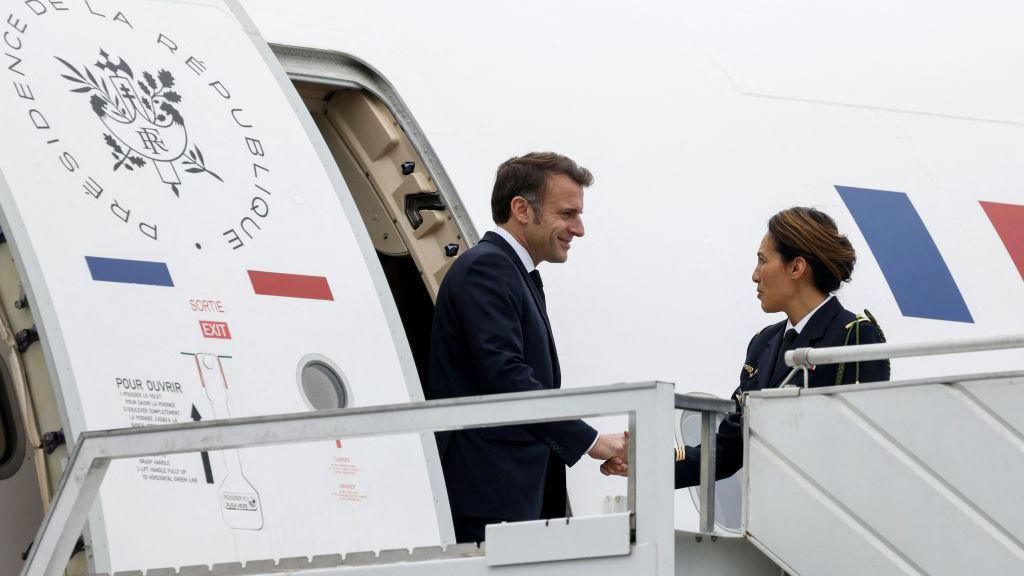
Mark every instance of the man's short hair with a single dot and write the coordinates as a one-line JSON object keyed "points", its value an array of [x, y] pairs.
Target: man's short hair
{"points": [[527, 176]]}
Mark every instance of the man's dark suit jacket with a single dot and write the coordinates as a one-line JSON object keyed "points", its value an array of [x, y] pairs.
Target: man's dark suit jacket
{"points": [[491, 335], [763, 369]]}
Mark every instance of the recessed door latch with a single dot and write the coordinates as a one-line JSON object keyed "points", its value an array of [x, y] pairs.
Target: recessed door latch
{"points": [[24, 338], [53, 440], [423, 201]]}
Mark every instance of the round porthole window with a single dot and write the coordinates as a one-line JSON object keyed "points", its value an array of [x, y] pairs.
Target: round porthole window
{"points": [[321, 384]]}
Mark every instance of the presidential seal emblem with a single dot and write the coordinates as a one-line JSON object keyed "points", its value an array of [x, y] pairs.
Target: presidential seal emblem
{"points": [[140, 118], [127, 113]]}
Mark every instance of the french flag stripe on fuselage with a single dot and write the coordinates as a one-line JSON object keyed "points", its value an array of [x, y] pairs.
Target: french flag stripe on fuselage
{"points": [[290, 285], [1008, 220], [907, 254], [129, 271]]}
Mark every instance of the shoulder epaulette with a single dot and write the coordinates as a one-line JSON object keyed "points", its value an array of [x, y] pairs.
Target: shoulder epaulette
{"points": [[853, 329], [871, 317], [857, 320]]}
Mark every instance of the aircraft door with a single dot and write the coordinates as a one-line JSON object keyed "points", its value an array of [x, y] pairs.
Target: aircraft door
{"points": [[186, 246], [409, 223]]}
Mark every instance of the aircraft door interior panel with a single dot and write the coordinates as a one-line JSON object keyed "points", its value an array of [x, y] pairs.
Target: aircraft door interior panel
{"points": [[31, 447], [411, 229], [380, 147]]}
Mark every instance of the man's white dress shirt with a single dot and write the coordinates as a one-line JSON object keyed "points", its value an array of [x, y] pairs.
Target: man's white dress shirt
{"points": [[519, 248]]}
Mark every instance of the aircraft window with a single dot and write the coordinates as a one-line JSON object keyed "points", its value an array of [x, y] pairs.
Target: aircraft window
{"points": [[322, 386]]}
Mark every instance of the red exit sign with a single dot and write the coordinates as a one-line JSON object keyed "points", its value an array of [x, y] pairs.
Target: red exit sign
{"points": [[215, 329]]}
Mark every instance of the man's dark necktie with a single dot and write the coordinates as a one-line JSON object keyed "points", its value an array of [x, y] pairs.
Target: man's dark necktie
{"points": [[535, 276], [787, 344]]}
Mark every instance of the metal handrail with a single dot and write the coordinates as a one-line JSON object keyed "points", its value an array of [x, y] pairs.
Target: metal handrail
{"points": [[810, 357], [704, 404], [647, 405], [708, 408]]}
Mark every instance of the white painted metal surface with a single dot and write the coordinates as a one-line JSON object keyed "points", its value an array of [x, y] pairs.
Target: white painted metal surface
{"points": [[186, 240], [894, 478], [641, 560], [703, 555], [557, 539]]}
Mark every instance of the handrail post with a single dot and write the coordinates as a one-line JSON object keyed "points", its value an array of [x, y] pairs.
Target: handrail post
{"points": [[68, 512], [709, 408], [708, 457]]}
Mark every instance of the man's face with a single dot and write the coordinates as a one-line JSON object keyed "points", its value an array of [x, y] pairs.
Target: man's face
{"points": [[560, 220], [775, 286]]}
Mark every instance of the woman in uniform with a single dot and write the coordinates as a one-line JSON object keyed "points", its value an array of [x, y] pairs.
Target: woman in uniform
{"points": [[801, 263]]}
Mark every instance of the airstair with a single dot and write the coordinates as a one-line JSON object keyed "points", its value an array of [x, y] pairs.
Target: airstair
{"points": [[913, 477]]}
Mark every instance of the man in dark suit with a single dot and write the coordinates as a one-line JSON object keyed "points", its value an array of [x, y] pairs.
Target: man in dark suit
{"points": [[491, 334]]}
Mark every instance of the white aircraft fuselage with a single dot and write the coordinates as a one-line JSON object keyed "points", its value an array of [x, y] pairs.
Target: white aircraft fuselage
{"points": [[277, 210]]}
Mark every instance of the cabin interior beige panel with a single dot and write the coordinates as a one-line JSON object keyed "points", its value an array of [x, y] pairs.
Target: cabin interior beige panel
{"points": [[31, 377], [36, 403], [370, 147], [379, 223]]}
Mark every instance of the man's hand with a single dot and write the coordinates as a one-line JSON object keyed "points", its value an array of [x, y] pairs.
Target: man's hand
{"points": [[614, 467], [611, 446]]}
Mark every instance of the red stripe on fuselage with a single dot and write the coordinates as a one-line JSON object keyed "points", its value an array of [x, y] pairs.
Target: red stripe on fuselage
{"points": [[1008, 220], [290, 285]]}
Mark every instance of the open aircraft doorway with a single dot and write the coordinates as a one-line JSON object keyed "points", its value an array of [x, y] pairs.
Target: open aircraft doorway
{"points": [[412, 215]]}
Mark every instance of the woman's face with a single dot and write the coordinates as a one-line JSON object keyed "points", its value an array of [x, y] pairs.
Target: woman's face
{"points": [[775, 283]]}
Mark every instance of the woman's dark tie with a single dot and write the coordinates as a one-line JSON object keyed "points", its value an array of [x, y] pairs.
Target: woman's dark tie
{"points": [[787, 344]]}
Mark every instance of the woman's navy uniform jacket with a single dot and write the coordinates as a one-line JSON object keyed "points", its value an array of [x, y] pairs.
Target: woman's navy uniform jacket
{"points": [[491, 334], [763, 368]]}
